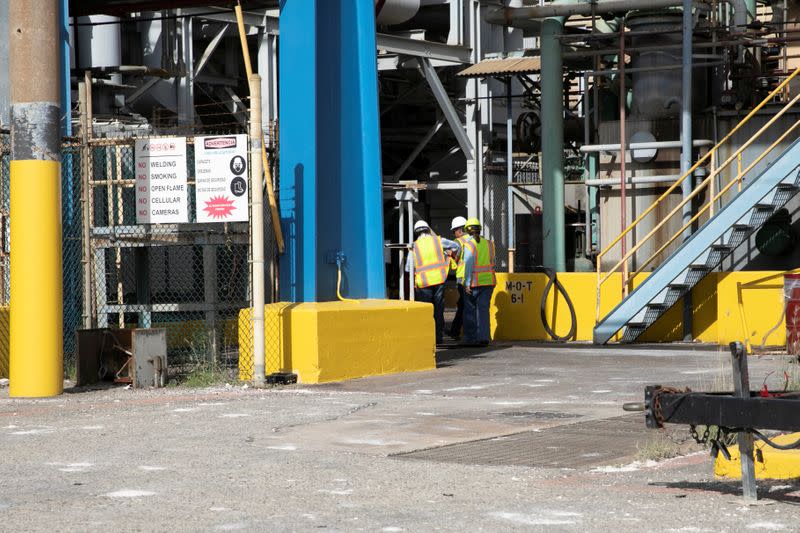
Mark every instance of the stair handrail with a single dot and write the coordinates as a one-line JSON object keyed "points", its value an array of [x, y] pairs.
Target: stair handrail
{"points": [[715, 197], [699, 188], [602, 279]]}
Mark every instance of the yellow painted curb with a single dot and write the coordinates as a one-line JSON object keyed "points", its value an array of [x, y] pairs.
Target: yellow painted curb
{"points": [[774, 464]]}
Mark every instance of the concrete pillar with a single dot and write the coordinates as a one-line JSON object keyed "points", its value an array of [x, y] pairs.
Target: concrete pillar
{"points": [[36, 366]]}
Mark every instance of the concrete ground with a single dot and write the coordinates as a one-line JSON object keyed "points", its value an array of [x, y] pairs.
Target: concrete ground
{"points": [[522, 437]]}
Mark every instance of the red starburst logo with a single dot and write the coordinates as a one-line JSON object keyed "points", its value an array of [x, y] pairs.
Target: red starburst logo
{"points": [[219, 207]]}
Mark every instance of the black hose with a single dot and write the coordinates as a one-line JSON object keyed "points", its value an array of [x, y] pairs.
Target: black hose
{"points": [[552, 279], [761, 436]]}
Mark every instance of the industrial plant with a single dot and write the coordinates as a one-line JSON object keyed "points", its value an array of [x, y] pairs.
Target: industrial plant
{"points": [[301, 192]]}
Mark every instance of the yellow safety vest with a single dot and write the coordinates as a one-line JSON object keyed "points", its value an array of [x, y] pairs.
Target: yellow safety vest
{"points": [[483, 269], [458, 266], [430, 263]]}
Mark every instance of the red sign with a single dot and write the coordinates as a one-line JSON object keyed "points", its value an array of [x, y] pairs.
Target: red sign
{"points": [[219, 207]]}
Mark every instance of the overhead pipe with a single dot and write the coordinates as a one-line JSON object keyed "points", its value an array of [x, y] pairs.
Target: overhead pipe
{"points": [[590, 148], [631, 180], [509, 16]]}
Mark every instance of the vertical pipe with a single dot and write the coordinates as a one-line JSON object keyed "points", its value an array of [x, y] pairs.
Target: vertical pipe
{"points": [[686, 146], [623, 154], [510, 175], [86, 153], [751, 11], [587, 174], [552, 166], [473, 106], [401, 239], [410, 222], [36, 323], [257, 228]]}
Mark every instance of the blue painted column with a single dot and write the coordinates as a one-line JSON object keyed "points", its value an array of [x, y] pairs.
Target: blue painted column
{"points": [[330, 174]]}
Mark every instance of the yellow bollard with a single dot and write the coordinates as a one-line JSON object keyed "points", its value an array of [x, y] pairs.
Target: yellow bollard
{"points": [[37, 359]]}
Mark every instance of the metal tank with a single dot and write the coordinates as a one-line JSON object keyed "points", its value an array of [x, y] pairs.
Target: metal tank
{"points": [[391, 12], [657, 93]]}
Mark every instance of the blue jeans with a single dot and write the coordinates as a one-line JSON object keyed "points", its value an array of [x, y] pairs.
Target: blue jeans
{"points": [[458, 320], [434, 295], [476, 314]]}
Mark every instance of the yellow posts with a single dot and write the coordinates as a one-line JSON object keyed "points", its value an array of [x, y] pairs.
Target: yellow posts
{"points": [[37, 361], [36, 366]]}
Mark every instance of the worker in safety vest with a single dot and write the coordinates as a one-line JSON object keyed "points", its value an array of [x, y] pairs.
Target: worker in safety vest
{"points": [[457, 265], [479, 282], [431, 261]]}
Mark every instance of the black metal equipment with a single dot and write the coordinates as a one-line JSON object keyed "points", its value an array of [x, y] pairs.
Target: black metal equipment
{"points": [[742, 412]]}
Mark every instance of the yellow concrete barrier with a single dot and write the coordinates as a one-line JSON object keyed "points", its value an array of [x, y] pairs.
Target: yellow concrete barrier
{"points": [[774, 464], [715, 309], [333, 341]]}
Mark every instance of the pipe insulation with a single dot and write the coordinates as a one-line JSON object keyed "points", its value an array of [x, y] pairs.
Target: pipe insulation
{"points": [[390, 12], [99, 42], [508, 16], [697, 143]]}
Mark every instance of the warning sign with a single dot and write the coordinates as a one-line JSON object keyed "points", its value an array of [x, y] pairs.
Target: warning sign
{"points": [[220, 166], [161, 192]]}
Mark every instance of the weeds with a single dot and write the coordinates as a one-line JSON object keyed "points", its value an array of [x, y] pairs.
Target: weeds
{"points": [[659, 447], [201, 369]]}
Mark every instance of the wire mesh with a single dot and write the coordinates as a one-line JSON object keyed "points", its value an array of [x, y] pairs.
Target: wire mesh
{"points": [[192, 279]]}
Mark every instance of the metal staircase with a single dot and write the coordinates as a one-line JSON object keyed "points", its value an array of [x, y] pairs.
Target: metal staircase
{"points": [[724, 230]]}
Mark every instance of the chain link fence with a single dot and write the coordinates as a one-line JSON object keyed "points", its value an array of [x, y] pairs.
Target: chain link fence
{"points": [[192, 279]]}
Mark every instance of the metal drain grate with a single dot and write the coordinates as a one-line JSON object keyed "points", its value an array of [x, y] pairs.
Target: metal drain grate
{"points": [[598, 442], [536, 415]]}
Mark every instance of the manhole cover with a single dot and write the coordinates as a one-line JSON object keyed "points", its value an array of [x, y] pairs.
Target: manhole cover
{"points": [[583, 444]]}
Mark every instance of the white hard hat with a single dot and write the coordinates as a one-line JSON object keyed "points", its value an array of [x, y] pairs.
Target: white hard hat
{"points": [[458, 222], [420, 225]]}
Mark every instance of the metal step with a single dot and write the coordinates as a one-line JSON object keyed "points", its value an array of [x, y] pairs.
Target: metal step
{"points": [[737, 235], [760, 214], [718, 253], [696, 273], [783, 193], [631, 333]]}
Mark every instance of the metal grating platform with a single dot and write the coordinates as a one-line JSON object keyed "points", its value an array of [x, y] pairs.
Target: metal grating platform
{"points": [[579, 445]]}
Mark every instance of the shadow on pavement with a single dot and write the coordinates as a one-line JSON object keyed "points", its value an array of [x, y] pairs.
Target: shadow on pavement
{"points": [[782, 490], [449, 355]]}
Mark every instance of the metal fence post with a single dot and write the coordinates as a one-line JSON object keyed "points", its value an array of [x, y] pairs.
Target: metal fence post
{"points": [[86, 154], [741, 384], [257, 228]]}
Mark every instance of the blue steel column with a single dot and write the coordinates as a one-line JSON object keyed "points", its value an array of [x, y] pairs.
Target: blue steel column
{"points": [[330, 180], [298, 138], [71, 223]]}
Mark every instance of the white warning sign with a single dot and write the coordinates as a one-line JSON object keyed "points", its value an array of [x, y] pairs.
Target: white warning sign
{"points": [[220, 169], [161, 191]]}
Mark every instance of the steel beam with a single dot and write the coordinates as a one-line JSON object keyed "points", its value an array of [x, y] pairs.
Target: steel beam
{"points": [[443, 99], [723, 409], [201, 63], [418, 148], [426, 49]]}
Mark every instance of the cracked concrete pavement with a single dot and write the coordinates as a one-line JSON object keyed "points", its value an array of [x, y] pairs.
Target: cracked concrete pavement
{"points": [[326, 457]]}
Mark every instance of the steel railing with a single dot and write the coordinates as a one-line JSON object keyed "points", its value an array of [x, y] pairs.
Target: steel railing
{"points": [[708, 183]]}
